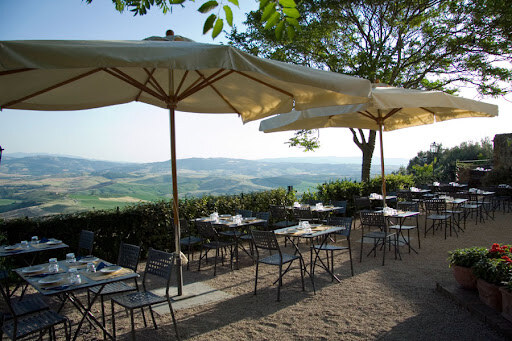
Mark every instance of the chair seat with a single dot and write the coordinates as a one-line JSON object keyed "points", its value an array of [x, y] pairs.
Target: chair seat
{"points": [[190, 240], [403, 227], [330, 247], [454, 211], [276, 260], [471, 206], [28, 305], [138, 299], [33, 323], [378, 235], [113, 288], [438, 216], [246, 237]]}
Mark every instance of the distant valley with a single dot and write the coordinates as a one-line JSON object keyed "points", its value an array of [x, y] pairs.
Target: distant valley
{"points": [[45, 184]]}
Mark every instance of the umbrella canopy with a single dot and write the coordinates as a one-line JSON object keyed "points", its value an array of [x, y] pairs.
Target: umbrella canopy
{"points": [[178, 75], [388, 108]]}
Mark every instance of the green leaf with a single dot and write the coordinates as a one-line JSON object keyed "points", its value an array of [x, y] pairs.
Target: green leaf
{"points": [[280, 30], [272, 21], [219, 24], [292, 21], [208, 6], [263, 4], [208, 24], [176, 2], [234, 2], [290, 32], [291, 12], [287, 3], [229, 15], [269, 10]]}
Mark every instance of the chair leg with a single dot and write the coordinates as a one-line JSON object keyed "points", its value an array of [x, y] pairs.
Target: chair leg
{"points": [[350, 256], [113, 319], [133, 324], [279, 282], [153, 317], [256, 277], [175, 323], [361, 253], [102, 313]]}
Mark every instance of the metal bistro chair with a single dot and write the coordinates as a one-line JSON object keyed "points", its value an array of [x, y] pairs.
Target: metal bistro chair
{"points": [[279, 216], [30, 316], [436, 213], [261, 226], [267, 241], [342, 210], [85, 242], [211, 241], [330, 248], [159, 264], [377, 226], [128, 257], [189, 240], [413, 207], [243, 213]]}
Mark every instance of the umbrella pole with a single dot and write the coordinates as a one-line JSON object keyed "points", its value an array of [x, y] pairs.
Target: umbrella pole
{"points": [[382, 162], [175, 202]]}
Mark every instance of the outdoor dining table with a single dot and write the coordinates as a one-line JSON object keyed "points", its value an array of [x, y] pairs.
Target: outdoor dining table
{"points": [[320, 231], [60, 284], [400, 217], [322, 211], [233, 229], [23, 250]]}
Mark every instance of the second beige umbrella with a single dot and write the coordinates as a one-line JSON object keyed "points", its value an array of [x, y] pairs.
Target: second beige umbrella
{"points": [[388, 108]]}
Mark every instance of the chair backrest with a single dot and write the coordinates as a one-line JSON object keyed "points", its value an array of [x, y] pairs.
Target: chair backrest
{"points": [[129, 256], [244, 213], [206, 230], [362, 203], [435, 205], [160, 264], [404, 195], [340, 203], [265, 240], [372, 219], [412, 206], [278, 212], [85, 242], [303, 212], [346, 222], [264, 216]]}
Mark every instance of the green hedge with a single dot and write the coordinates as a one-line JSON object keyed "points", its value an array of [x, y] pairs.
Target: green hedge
{"points": [[147, 224]]}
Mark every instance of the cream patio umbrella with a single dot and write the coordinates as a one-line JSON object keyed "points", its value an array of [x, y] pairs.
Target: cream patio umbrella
{"points": [[388, 108], [175, 75]]}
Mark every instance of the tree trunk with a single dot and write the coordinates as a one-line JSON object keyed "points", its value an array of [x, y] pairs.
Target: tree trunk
{"points": [[367, 147]]}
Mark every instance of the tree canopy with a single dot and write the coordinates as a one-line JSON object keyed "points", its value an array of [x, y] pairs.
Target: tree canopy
{"points": [[424, 44]]}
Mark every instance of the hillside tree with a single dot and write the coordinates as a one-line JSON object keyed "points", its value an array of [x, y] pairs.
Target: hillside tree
{"points": [[418, 44]]}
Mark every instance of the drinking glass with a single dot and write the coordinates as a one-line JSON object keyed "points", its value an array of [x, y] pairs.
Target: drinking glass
{"points": [[34, 240], [54, 266], [24, 243], [74, 277], [91, 267], [70, 258]]}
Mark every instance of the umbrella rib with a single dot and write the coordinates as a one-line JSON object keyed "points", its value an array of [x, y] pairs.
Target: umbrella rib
{"points": [[221, 96], [50, 88], [391, 113], [265, 83], [152, 81], [8, 72], [182, 81], [202, 83], [367, 114], [126, 78]]}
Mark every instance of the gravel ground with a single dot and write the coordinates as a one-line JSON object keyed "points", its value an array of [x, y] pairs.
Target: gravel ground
{"points": [[397, 301]]}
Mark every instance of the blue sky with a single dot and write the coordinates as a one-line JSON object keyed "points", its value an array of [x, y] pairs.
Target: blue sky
{"points": [[138, 132]]}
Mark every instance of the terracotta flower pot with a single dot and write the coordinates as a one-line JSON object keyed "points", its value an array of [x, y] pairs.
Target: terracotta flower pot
{"points": [[489, 294], [506, 304], [464, 276]]}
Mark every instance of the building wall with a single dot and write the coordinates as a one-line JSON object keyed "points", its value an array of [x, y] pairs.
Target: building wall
{"points": [[503, 152]]}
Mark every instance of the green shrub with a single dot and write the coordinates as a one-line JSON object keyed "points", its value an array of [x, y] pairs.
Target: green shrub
{"points": [[467, 257], [492, 270]]}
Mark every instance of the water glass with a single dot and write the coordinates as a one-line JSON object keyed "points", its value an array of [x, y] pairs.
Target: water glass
{"points": [[24, 243], [54, 266], [34, 240], [91, 267], [70, 258], [74, 277]]}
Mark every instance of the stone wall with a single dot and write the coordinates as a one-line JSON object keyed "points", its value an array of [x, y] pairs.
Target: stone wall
{"points": [[503, 152]]}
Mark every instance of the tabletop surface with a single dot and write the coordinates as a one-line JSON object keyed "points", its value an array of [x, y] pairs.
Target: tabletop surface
{"points": [[51, 284], [17, 249], [316, 231], [227, 221]]}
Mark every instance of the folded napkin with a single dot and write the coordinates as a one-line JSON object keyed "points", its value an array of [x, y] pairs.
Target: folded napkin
{"points": [[100, 266], [44, 240]]}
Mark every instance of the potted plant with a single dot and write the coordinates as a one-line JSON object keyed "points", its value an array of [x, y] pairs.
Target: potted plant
{"points": [[506, 299], [461, 261], [491, 273]]}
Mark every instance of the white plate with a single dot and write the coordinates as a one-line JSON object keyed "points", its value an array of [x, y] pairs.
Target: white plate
{"points": [[111, 269], [88, 259], [11, 247], [50, 280], [225, 216], [32, 269], [54, 242]]}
